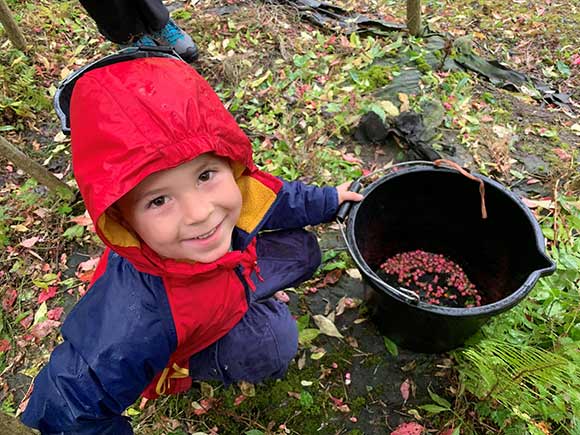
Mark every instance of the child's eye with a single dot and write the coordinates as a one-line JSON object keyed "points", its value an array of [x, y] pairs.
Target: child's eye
{"points": [[206, 175], [157, 202]]}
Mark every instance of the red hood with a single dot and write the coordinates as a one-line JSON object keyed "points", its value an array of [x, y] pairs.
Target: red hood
{"points": [[137, 117]]}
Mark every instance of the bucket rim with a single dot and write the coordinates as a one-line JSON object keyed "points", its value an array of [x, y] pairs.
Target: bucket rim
{"points": [[485, 310]]}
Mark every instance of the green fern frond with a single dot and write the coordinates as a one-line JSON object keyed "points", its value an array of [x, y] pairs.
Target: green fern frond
{"points": [[522, 376]]}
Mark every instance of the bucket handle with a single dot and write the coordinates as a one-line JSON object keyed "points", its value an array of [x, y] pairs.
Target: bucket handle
{"points": [[357, 185]]}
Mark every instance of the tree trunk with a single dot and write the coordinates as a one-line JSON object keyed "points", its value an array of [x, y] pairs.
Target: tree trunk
{"points": [[11, 425], [414, 17], [34, 169], [11, 28]]}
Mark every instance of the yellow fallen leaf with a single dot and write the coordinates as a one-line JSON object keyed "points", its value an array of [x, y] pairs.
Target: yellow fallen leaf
{"points": [[326, 326]]}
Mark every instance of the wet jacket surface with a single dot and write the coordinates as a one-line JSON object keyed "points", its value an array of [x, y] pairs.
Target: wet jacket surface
{"points": [[146, 318]]}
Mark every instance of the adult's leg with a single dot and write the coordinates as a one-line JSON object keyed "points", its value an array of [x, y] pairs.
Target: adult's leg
{"points": [[124, 21]]}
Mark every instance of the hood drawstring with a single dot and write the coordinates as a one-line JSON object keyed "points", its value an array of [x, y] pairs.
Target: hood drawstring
{"points": [[250, 264]]}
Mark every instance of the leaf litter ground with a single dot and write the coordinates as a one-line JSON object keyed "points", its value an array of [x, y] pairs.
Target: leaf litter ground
{"points": [[298, 91]]}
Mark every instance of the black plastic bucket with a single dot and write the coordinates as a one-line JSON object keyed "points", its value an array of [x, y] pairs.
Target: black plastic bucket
{"points": [[437, 209]]}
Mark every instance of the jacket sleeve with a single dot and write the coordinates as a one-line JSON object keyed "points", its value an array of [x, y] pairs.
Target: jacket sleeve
{"points": [[116, 340], [299, 204]]}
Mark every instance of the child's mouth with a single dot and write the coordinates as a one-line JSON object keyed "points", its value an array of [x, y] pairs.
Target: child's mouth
{"points": [[206, 235]]}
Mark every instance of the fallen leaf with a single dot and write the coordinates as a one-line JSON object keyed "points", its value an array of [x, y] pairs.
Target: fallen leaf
{"points": [[562, 154], [83, 220], [405, 390], [86, 269], [25, 399], [90, 264], [46, 294], [85, 276], [326, 326], [548, 204], [9, 299], [55, 313], [5, 345], [340, 306], [317, 355], [404, 99], [302, 361], [42, 329], [330, 278], [60, 137], [307, 335], [389, 108], [411, 428], [247, 388], [354, 273], [201, 407], [41, 212], [27, 321], [206, 389], [351, 158], [238, 400], [339, 404], [29, 243]]}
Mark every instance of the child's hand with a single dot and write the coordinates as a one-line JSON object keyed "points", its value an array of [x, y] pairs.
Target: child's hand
{"points": [[346, 195]]}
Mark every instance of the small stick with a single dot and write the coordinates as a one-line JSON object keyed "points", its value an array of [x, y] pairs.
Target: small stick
{"points": [[555, 227]]}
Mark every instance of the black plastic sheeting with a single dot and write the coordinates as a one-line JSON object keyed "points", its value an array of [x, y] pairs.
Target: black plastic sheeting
{"points": [[409, 128], [501, 76], [328, 15], [464, 59]]}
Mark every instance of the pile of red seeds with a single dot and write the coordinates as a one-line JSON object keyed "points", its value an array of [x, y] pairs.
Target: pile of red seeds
{"points": [[436, 279]]}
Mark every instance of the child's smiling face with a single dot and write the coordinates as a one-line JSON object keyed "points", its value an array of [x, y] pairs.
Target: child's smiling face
{"points": [[187, 212]]}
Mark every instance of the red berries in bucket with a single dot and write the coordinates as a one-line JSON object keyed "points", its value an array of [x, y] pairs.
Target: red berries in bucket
{"points": [[433, 277]]}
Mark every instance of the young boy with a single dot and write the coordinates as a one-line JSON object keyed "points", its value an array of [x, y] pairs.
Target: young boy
{"points": [[184, 289]]}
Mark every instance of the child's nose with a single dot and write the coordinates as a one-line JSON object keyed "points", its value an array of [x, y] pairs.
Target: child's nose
{"points": [[197, 209]]}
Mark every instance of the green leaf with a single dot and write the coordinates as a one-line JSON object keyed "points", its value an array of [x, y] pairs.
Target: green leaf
{"points": [[433, 409], [303, 322], [329, 255], [391, 346], [132, 412], [40, 314], [334, 265], [307, 335], [438, 399], [21, 316], [563, 69], [74, 232], [254, 432]]}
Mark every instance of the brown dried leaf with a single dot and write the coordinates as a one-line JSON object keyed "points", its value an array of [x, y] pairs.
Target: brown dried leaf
{"points": [[29, 243]]}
